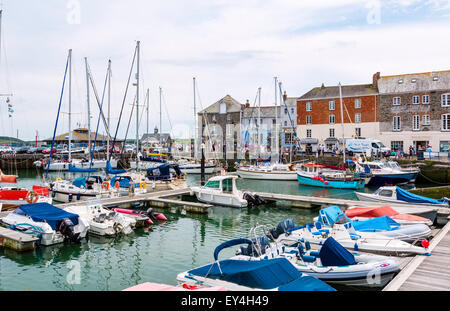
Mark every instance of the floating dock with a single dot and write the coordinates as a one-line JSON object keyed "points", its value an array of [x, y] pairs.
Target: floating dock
{"points": [[16, 240], [427, 273]]}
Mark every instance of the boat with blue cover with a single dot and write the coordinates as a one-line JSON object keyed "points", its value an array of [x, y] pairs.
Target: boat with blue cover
{"points": [[332, 263], [49, 223], [289, 234], [317, 175], [395, 194], [387, 173], [276, 274]]}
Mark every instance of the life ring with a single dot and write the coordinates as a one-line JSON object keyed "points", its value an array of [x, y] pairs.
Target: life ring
{"points": [[58, 179], [143, 185], [105, 185], [32, 197], [117, 185]]}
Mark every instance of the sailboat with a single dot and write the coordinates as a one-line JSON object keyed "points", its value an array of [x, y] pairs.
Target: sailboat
{"points": [[273, 170]]}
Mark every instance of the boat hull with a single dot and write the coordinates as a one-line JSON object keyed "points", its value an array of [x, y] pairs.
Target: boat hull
{"points": [[392, 179], [262, 175], [337, 184]]}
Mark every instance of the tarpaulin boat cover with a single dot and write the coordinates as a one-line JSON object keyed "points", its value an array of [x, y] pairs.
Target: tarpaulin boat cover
{"points": [[330, 215], [404, 195], [74, 169], [161, 172], [384, 223], [110, 170], [124, 182], [48, 213], [262, 274], [81, 181], [334, 254], [371, 212]]}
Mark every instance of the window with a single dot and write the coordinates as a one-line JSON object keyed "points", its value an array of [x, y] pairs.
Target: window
{"points": [[386, 193], [397, 145], [426, 119], [396, 101], [445, 102], [397, 123], [357, 132], [357, 103], [331, 105], [332, 133], [308, 106], [425, 99], [331, 118], [285, 111], [444, 146], [308, 120], [229, 117], [446, 122], [292, 110], [308, 133], [229, 130], [213, 184], [416, 123], [274, 121], [416, 99], [285, 123], [213, 130], [357, 118], [289, 139], [214, 117], [227, 185]]}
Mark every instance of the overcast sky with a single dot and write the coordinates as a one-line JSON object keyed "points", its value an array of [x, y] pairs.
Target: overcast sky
{"points": [[231, 47]]}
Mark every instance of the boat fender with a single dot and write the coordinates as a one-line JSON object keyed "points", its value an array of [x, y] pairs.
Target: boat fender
{"points": [[355, 247], [117, 185], [53, 193], [143, 185], [32, 197], [58, 179], [70, 197], [78, 196]]}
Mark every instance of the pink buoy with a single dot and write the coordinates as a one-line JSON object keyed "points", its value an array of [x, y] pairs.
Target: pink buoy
{"points": [[160, 216]]}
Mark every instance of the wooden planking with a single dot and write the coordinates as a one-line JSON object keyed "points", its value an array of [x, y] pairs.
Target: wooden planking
{"points": [[427, 273], [16, 235]]}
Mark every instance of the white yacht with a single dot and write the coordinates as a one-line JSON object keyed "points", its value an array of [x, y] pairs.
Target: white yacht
{"points": [[276, 171]]}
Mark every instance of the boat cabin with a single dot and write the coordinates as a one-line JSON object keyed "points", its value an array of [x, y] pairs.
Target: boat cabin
{"points": [[388, 192], [312, 168], [227, 184]]}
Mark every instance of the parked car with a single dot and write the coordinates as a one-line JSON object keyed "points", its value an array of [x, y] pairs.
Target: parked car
{"points": [[129, 148], [22, 149], [40, 149], [116, 149], [47, 151], [32, 150]]}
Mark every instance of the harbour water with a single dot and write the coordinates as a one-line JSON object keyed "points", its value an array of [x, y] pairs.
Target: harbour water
{"points": [[156, 254]]}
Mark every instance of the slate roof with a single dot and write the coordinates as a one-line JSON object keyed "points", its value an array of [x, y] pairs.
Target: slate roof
{"points": [[80, 134], [414, 82], [232, 105], [333, 91], [155, 137]]}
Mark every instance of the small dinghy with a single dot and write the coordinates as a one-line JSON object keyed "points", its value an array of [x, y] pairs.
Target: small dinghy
{"points": [[276, 274], [222, 190], [366, 213], [378, 227], [103, 222], [49, 223], [346, 235], [332, 263], [142, 218]]}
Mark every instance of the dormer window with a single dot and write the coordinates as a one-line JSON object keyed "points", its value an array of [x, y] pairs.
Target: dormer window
{"points": [[414, 80], [223, 108], [435, 78], [400, 81]]}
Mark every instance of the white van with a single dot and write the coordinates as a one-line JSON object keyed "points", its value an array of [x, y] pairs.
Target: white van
{"points": [[367, 145]]}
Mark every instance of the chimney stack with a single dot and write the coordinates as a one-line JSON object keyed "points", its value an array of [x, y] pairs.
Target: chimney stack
{"points": [[284, 96], [323, 86], [247, 104], [375, 78]]}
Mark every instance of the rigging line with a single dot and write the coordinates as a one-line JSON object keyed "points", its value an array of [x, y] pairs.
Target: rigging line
{"points": [[57, 118], [128, 127], [123, 104], [350, 119], [249, 123], [101, 111], [142, 115]]}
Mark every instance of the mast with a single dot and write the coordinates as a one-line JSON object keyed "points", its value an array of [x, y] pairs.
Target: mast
{"points": [[195, 124], [276, 121], [70, 106], [137, 103], [109, 107], [342, 122], [259, 121], [88, 106], [160, 117], [148, 108]]}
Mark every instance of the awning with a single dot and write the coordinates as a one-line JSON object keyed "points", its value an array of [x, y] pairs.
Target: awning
{"points": [[309, 141], [331, 140]]}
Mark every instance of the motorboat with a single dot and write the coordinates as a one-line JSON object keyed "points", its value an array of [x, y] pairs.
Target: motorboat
{"points": [[103, 222], [332, 263], [317, 175], [49, 223], [276, 274], [276, 171], [125, 185], [383, 226], [81, 189], [366, 213], [222, 190], [289, 234], [15, 196], [63, 165], [387, 173], [141, 218], [395, 194]]}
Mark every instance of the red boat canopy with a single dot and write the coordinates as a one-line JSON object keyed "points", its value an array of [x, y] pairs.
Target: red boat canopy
{"points": [[372, 212]]}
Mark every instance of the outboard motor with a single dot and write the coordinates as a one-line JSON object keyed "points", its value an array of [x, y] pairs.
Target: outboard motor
{"points": [[67, 229], [282, 227]]}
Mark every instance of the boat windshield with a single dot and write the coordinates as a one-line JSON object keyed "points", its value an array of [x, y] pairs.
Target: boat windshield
{"points": [[227, 185], [393, 165], [213, 184]]}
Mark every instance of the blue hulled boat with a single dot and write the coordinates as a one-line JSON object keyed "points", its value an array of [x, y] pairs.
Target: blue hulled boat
{"points": [[317, 175]]}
